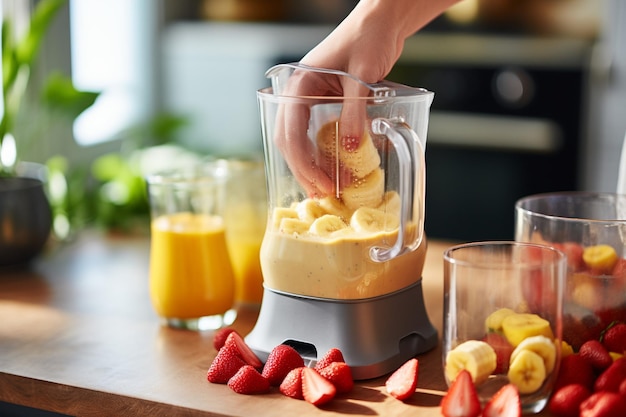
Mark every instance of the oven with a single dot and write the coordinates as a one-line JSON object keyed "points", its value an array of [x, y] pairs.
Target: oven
{"points": [[508, 120]]}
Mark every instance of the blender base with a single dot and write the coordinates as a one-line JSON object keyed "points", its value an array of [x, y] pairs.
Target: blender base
{"points": [[375, 335]]}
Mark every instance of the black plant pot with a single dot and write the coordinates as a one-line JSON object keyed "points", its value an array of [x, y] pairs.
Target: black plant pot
{"points": [[25, 219]]}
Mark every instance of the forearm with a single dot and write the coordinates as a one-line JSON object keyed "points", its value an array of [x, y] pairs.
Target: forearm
{"points": [[369, 41]]}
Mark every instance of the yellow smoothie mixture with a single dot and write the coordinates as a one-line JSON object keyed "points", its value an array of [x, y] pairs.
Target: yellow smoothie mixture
{"points": [[330, 258], [190, 270]]}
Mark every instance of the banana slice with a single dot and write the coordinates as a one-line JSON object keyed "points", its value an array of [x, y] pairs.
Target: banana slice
{"points": [[327, 225], [391, 203], [332, 205], [476, 356], [309, 209], [517, 327], [361, 161], [540, 345], [371, 220], [365, 192], [293, 226], [493, 322], [281, 213], [527, 372]]}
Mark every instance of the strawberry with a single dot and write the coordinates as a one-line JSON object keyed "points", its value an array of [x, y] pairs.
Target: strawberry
{"points": [[565, 402], [503, 350], [292, 384], [248, 380], [504, 403], [281, 360], [575, 369], [333, 355], [340, 375], [236, 342], [603, 404], [219, 338], [574, 252], [614, 337], [622, 388], [612, 377], [225, 364], [315, 388], [461, 400], [596, 354], [402, 383]]}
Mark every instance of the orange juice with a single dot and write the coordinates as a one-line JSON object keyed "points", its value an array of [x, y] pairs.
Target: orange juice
{"points": [[245, 220], [244, 253], [190, 270]]}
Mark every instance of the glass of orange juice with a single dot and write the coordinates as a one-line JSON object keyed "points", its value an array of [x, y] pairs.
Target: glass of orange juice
{"points": [[192, 284], [246, 218]]}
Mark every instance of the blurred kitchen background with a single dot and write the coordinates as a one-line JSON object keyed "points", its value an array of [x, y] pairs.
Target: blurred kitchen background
{"points": [[530, 95]]}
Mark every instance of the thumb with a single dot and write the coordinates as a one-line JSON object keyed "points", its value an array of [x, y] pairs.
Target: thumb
{"points": [[353, 114]]}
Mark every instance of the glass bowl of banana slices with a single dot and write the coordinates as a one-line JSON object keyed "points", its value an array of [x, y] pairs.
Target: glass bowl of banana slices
{"points": [[590, 228], [492, 329]]}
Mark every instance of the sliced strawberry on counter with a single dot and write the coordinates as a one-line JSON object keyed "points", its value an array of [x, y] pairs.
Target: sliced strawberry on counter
{"points": [[315, 388], [333, 355], [292, 384], [603, 404], [235, 341], [340, 375], [575, 369], [566, 401], [248, 380], [614, 338], [612, 377], [402, 383], [596, 354], [461, 400], [281, 360], [219, 338], [225, 364], [504, 403]]}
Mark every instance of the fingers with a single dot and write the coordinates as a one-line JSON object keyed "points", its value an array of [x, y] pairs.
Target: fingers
{"points": [[353, 114]]}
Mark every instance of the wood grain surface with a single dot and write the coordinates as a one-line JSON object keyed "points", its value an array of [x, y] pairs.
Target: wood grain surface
{"points": [[78, 336]]}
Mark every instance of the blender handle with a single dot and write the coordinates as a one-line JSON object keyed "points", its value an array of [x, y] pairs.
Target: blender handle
{"points": [[411, 158]]}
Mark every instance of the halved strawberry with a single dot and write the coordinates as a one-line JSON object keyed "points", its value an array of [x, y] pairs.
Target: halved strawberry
{"points": [[315, 388], [340, 375], [504, 403], [281, 360], [461, 400], [566, 401], [248, 380], [603, 404], [292, 384], [402, 383], [612, 377], [219, 338], [235, 341], [225, 364], [575, 369], [503, 349], [333, 355]]}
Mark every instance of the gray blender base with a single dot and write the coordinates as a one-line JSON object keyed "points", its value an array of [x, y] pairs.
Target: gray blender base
{"points": [[375, 335]]}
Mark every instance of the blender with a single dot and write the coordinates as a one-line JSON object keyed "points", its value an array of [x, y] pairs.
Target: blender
{"points": [[344, 246]]}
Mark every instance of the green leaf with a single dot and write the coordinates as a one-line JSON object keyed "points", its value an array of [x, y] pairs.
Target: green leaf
{"points": [[42, 16], [59, 93]]}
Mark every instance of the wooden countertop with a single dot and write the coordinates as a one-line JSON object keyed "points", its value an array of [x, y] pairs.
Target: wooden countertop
{"points": [[78, 336]]}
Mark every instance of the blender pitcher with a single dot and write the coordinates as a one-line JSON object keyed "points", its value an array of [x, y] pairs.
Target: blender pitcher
{"points": [[344, 246]]}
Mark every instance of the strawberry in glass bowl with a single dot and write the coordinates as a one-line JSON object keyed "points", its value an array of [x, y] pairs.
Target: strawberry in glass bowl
{"points": [[590, 228]]}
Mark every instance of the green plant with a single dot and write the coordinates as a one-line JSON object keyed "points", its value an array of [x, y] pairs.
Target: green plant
{"points": [[19, 55]]}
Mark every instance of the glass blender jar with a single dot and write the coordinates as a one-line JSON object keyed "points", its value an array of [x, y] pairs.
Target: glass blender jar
{"points": [[344, 246]]}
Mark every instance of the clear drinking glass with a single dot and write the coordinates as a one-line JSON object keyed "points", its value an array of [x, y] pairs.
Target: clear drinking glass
{"points": [[493, 326], [192, 284], [245, 218], [591, 229]]}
